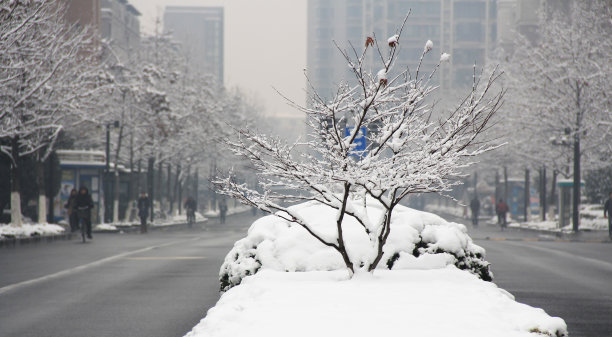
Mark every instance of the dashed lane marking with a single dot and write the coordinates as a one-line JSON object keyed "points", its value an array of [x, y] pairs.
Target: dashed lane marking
{"points": [[66, 272], [164, 258]]}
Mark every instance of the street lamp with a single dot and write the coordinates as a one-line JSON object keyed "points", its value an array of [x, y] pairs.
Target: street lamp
{"points": [[574, 143]]}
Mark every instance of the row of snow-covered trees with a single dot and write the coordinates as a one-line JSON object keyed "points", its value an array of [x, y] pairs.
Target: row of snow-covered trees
{"points": [[61, 83], [558, 106]]}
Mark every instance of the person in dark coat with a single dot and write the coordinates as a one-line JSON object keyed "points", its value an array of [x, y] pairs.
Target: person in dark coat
{"points": [[84, 204], [475, 207], [143, 211], [70, 206], [501, 209], [608, 214], [190, 208], [222, 210]]}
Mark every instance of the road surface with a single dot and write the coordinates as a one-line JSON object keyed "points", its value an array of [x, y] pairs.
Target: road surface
{"points": [[162, 283]]}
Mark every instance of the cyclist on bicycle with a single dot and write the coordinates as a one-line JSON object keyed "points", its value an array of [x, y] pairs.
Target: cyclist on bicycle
{"points": [[190, 207], [84, 204]]}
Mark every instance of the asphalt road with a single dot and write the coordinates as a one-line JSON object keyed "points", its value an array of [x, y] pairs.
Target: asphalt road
{"points": [[158, 284], [162, 283], [572, 280]]}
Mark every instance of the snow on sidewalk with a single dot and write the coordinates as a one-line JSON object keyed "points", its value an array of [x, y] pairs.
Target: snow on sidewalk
{"points": [[30, 230]]}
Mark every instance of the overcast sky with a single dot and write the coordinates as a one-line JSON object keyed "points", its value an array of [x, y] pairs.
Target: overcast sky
{"points": [[265, 45]]}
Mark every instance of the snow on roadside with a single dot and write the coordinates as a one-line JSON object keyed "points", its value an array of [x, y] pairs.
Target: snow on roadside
{"points": [[105, 227], [434, 302], [29, 230]]}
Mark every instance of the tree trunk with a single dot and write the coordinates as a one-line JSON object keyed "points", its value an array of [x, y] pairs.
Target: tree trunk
{"points": [[576, 187], [42, 191], [195, 188], [175, 195], [543, 193], [15, 184], [168, 189], [553, 191], [506, 185], [150, 176], [160, 172], [131, 195], [527, 202]]}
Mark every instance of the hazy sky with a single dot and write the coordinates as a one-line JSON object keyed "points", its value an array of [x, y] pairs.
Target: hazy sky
{"points": [[265, 46]]}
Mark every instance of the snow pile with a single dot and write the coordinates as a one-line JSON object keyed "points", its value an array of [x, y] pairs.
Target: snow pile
{"points": [[233, 210], [105, 227], [441, 302], [29, 230], [418, 240]]}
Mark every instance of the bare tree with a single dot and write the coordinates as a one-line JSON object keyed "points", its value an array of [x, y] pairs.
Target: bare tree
{"points": [[376, 142]]}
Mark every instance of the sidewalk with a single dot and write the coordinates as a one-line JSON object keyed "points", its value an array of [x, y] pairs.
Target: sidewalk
{"points": [[593, 231], [58, 232], [524, 232]]}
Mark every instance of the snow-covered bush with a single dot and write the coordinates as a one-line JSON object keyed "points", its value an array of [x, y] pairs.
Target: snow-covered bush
{"points": [[419, 240]]}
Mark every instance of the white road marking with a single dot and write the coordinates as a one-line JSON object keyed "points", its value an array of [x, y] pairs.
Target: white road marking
{"points": [[164, 258], [85, 266]]}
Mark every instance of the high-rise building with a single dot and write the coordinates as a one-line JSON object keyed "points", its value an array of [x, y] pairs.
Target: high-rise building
{"points": [[116, 21], [200, 31], [467, 29]]}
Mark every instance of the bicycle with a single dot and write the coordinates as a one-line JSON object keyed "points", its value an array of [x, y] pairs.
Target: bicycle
{"points": [[190, 217]]}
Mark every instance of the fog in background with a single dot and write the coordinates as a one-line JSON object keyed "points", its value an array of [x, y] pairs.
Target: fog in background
{"points": [[265, 47]]}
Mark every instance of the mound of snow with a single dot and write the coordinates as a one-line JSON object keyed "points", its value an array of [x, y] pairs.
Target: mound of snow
{"points": [[29, 230], [435, 303], [418, 240]]}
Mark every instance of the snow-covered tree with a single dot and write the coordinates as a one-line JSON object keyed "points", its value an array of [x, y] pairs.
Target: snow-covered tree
{"points": [[377, 142], [559, 92], [45, 69]]}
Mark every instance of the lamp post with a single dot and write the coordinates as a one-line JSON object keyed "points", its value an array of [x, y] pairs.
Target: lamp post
{"points": [[575, 144]]}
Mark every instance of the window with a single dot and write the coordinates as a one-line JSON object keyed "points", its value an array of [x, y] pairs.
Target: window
{"points": [[469, 9], [467, 56], [469, 32], [463, 77]]}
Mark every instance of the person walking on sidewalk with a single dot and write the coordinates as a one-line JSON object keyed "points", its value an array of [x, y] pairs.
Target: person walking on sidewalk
{"points": [[143, 211], [608, 214], [501, 209], [475, 207], [84, 204]]}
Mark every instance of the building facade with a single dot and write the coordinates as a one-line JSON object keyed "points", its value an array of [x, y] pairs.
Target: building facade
{"points": [[465, 29], [200, 32], [115, 21]]}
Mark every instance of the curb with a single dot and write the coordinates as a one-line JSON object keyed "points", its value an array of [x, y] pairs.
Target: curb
{"points": [[15, 242], [488, 238], [27, 241]]}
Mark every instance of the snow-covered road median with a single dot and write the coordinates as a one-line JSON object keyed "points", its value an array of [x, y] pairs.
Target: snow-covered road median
{"points": [[433, 281], [440, 302]]}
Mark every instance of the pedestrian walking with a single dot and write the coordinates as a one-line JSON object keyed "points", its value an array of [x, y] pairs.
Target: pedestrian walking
{"points": [[608, 214], [84, 204], [222, 210], [70, 206], [501, 209], [143, 211], [475, 207]]}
